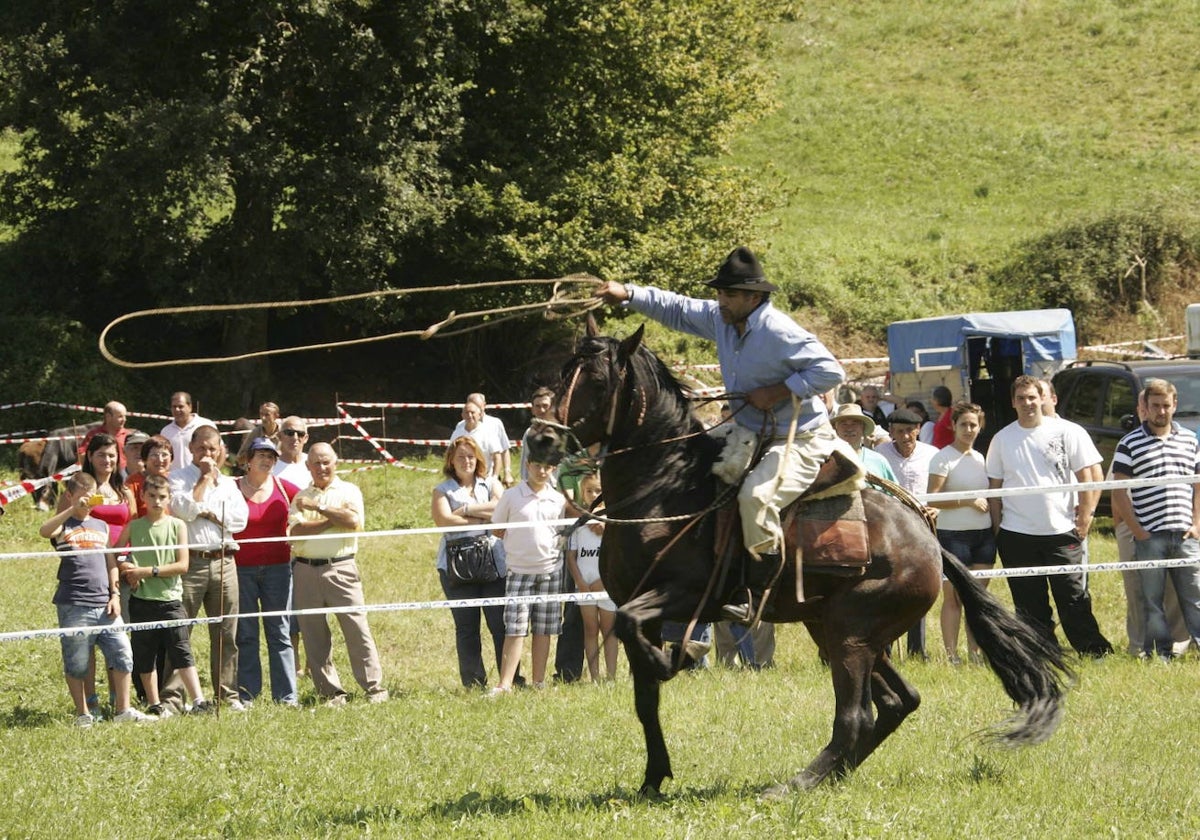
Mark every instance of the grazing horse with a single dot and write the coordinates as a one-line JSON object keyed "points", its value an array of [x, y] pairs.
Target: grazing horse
{"points": [[657, 562], [42, 458]]}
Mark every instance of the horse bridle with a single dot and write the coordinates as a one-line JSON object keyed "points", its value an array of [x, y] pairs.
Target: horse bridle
{"points": [[614, 400]]}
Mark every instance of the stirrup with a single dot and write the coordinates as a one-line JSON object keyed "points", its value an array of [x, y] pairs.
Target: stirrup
{"points": [[747, 614]]}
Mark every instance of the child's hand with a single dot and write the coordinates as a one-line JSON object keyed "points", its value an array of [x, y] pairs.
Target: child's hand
{"points": [[596, 527]]}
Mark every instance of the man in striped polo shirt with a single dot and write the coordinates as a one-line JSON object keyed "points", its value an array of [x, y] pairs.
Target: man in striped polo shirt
{"points": [[1164, 518]]}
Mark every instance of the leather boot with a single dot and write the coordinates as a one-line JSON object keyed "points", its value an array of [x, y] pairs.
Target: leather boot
{"points": [[744, 606]]}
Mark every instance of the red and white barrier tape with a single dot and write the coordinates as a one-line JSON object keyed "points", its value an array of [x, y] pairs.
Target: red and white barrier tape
{"points": [[25, 488], [387, 456]]}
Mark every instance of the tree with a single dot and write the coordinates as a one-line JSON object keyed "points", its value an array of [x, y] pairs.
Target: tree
{"points": [[241, 150]]}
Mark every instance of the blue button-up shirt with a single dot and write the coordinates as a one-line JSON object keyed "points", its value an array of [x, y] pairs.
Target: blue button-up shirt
{"points": [[772, 349]]}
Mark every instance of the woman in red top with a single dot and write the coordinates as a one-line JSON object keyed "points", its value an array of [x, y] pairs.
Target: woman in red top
{"points": [[156, 454], [265, 578]]}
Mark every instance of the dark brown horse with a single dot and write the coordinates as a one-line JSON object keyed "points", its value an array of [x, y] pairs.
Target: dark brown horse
{"points": [[658, 477]]}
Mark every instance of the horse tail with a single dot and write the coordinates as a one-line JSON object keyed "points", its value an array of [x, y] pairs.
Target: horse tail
{"points": [[1032, 668]]}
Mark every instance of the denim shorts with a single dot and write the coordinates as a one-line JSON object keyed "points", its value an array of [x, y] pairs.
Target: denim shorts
{"points": [[76, 650], [972, 548]]}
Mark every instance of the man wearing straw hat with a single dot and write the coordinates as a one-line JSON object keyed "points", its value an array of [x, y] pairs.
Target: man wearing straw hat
{"points": [[854, 426]]}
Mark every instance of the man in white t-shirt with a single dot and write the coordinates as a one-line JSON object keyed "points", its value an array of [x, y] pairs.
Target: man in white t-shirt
{"points": [[489, 433], [180, 430], [293, 463], [1045, 529]]}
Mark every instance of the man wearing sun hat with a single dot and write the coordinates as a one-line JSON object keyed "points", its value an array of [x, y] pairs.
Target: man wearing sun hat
{"points": [[855, 426], [775, 372]]}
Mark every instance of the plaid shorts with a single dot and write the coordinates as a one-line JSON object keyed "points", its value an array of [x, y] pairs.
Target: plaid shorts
{"points": [[546, 619]]}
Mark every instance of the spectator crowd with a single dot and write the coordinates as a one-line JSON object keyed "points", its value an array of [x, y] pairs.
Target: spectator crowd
{"points": [[181, 509]]}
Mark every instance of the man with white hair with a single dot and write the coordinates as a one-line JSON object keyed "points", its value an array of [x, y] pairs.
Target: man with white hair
{"points": [[489, 433], [325, 574]]}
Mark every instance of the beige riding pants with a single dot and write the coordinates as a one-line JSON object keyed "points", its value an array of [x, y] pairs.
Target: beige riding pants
{"points": [[768, 489]]}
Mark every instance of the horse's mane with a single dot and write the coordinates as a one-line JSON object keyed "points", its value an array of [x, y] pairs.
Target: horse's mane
{"points": [[666, 415], [668, 410]]}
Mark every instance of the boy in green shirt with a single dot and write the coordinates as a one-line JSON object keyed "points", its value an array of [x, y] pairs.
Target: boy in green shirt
{"points": [[153, 571]]}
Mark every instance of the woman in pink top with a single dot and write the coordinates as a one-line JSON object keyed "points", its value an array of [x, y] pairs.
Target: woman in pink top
{"points": [[265, 578], [117, 506]]}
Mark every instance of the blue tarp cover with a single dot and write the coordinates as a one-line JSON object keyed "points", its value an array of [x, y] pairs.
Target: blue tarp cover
{"points": [[1045, 335]]}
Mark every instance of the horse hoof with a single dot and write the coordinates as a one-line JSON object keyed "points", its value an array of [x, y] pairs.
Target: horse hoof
{"points": [[775, 793], [649, 791], [696, 649]]}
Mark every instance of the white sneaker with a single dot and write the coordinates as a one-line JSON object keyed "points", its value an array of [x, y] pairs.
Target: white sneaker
{"points": [[84, 721], [498, 691], [381, 696], [235, 705], [336, 701], [132, 715]]}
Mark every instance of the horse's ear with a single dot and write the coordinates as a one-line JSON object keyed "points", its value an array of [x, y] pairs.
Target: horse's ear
{"points": [[591, 330], [630, 345]]}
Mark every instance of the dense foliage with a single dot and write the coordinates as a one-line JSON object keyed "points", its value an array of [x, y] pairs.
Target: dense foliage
{"points": [[1133, 263], [246, 150]]}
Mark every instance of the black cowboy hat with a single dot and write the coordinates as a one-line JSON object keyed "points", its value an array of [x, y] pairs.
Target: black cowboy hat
{"points": [[741, 270]]}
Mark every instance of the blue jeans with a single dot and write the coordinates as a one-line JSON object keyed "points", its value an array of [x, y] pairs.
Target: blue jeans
{"points": [[672, 633], [266, 589], [472, 671], [1164, 545], [77, 650]]}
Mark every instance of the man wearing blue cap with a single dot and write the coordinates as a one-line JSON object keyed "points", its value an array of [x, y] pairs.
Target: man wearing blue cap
{"points": [[775, 372]]}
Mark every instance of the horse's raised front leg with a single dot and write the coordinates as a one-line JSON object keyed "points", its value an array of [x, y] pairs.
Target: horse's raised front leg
{"points": [[638, 625]]}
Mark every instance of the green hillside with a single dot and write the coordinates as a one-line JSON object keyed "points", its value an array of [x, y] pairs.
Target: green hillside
{"points": [[918, 146]]}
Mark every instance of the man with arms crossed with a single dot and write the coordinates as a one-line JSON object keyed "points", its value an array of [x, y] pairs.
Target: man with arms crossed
{"points": [[325, 574]]}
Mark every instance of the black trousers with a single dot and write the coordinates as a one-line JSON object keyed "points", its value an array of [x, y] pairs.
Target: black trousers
{"points": [[1031, 595]]}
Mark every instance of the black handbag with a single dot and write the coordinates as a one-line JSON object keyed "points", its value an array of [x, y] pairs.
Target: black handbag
{"points": [[470, 560]]}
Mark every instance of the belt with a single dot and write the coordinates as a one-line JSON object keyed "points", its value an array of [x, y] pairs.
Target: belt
{"points": [[215, 554], [322, 561]]}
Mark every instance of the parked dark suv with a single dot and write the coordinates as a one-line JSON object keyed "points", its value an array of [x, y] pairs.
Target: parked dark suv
{"points": [[1102, 397]]}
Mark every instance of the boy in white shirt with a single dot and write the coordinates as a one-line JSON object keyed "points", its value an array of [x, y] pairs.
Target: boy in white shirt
{"points": [[534, 568]]}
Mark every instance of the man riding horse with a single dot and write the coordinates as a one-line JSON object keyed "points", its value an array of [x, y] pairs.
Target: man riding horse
{"points": [[775, 372]]}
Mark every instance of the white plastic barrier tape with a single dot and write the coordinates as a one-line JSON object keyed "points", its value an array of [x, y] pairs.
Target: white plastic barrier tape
{"points": [[458, 406], [1001, 492], [402, 532], [1079, 568], [58, 632]]}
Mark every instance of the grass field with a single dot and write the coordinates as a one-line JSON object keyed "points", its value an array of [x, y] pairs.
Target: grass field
{"points": [[915, 144], [439, 761]]}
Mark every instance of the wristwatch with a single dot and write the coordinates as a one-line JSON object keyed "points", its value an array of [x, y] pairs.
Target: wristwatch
{"points": [[154, 572]]}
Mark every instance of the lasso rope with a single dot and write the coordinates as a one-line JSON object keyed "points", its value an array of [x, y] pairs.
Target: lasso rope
{"points": [[552, 309]]}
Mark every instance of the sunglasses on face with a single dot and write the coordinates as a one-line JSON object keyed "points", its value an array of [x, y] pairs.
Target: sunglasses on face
{"points": [[295, 433]]}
